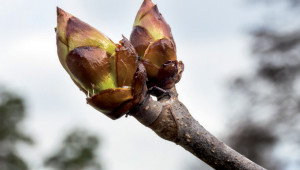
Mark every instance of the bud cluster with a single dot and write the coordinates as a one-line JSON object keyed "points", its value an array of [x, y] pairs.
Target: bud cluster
{"points": [[115, 76]]}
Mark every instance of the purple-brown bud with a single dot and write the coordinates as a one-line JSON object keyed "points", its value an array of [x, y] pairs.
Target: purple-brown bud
{"points": [[110, 75], [154, 43]]}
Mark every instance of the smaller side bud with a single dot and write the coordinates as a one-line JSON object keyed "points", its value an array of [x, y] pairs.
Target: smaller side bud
{"points": [[153, 40]]}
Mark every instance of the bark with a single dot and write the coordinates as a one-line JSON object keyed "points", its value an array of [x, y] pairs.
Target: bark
{"points": [[171, 120]]}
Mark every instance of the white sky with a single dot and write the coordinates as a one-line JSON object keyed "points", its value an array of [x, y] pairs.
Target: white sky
{"points": [[211, 41]]}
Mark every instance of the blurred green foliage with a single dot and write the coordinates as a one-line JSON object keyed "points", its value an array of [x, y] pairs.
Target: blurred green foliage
{"points": [[78, 152], [12, 112]]}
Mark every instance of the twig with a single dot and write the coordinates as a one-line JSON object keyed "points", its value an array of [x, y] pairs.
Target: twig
{"points": [[171, 120]]}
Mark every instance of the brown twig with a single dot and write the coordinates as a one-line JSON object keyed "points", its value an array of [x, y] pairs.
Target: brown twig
{"points": [[171, 120]]}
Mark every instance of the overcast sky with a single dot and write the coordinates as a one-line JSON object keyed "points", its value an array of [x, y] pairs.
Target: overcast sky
{"points": [[212, 41]]}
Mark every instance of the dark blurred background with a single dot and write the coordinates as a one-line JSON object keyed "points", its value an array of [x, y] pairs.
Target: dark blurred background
{"points": [[266, 124], [241, 82], [12, 112], [78, 150], [265, 105]]}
